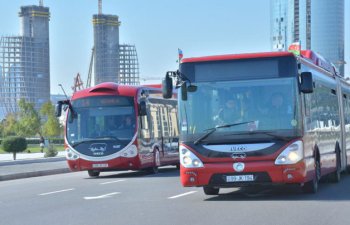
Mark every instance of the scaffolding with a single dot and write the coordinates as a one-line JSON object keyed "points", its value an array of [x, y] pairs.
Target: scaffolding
{"points": [[25, 62], [129, 65]]}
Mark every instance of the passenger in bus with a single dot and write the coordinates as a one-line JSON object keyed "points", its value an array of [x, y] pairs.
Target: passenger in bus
{"points": [[127, 123], [111, 126], [96, 132], [229, 113], [278, 112]]}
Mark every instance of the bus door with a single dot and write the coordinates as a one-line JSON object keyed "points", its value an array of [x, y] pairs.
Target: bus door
{"points": [[173, 133], [342, 125], [156, 127], [166, 140]]}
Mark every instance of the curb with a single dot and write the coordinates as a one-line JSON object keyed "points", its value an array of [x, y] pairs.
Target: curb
{"points": [[29, 161], [34, 174]]}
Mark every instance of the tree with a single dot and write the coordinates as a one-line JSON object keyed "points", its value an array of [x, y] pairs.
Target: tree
{"points": [[10, 125], [14, 145], [51, 127], [2, 128], [29, 120]]}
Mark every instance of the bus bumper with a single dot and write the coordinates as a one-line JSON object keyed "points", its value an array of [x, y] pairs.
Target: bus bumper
{"points": [[109, 165], [264, 173]]}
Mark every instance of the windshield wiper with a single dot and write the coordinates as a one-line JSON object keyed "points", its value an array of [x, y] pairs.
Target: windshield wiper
{"points": [[212, 130], [95, 139], [262, 132], [107, 138], [82, 141]]}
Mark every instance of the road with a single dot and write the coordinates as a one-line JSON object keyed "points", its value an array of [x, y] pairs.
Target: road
{"points": [[138, 198]]}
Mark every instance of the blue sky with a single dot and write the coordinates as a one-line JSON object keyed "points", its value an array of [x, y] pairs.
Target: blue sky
{"points": [[157, 28]]}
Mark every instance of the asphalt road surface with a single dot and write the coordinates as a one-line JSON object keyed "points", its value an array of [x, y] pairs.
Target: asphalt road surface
{"points": [[139, 198]]}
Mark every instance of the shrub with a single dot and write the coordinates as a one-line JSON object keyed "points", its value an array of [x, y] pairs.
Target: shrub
{"points": [[14, 145], [51, 151], [36, 141]]}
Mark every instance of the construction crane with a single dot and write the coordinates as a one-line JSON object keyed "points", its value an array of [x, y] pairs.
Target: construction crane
{"points": [[151, 78], [41, 2], [78, 83], [88, 82]]}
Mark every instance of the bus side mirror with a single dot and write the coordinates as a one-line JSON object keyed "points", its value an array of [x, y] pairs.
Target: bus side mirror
{"points": [[58, 109], [306, 85], [184, 91], [142, 109], [167, 87], [192, 88]]}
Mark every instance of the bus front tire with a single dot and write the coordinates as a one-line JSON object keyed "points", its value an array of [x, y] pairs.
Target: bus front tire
{"points": [[93, 173], [311, 187], [210, 190]]}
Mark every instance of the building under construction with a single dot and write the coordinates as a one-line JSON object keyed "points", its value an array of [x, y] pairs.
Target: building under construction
{"points": [[112, 62], [25, 61]]}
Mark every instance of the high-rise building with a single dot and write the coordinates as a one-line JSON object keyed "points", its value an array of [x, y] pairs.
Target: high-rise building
{"points": [[106, 42], [318, 25], [112, 62], [327, 30], [25, 61]]}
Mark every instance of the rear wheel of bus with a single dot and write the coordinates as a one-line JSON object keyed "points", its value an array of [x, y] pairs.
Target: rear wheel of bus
{"points": [[154, 169], [94, 173], [335, 176], [210, 190]]}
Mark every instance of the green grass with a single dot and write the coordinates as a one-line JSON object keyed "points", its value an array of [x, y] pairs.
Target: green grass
{"points": [[35, 149]]}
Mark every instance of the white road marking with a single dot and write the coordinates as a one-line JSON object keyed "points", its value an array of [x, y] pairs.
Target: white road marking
{"points": [[184, 194], [54, 192], [111, 182], [101, 196]]}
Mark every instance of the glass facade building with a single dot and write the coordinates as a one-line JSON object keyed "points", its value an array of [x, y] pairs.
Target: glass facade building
{"points": [[327, 30], [317, 24]]}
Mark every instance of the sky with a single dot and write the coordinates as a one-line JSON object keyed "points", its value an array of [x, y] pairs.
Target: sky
{"points": [[156, 27]]}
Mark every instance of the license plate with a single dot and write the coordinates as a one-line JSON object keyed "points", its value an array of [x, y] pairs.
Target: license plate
{"points": [[240, 178], [100, 165]]}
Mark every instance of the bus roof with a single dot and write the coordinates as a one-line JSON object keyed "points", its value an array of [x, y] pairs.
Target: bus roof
{"points": [[309, 55], [110, 88], [236, 56]]}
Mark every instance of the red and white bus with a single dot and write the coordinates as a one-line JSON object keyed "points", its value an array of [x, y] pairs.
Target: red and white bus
{"points": [[261, 119], [118, 127]]}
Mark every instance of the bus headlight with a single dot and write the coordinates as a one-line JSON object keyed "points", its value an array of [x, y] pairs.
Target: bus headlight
{"points": [[188, 159], [71, 155], [291, 155]]}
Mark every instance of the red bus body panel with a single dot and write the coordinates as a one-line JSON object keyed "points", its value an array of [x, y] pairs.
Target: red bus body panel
{"points": [[120, 163], [299, 173]]}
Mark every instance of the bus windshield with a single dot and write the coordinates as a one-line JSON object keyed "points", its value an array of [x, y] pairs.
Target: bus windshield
{"points": [[110, 118], [269, 105]]}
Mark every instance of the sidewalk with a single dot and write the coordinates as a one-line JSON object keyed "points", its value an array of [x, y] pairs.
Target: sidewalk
{"points": [[31, 165]]}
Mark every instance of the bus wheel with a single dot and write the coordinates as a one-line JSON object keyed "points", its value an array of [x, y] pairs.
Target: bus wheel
{"points": [[311, 187], [156, 164], [210, 190], [348, 169], [335, 176], [94, 173]]}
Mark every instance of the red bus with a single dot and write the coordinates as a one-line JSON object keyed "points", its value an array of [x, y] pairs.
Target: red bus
{"points": [[117, 127], [261, 119]]}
